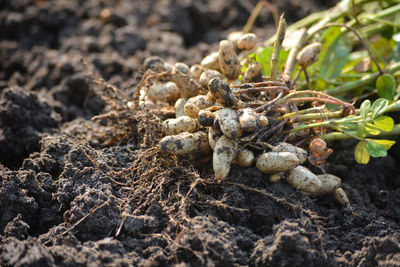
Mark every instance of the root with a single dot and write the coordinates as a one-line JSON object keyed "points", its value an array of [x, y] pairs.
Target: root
{"points": [[78, 222]]}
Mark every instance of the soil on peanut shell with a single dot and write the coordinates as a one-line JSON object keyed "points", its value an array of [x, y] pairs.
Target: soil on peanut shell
{"points": [[78, 192]]}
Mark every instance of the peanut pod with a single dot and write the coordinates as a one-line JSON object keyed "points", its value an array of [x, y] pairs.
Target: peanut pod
{"points": [[180, 107], [191, 110], [206, 77], [341, 197], [222, 92], [164, 92], [229, 122], [244, 158], [272, 162], [304, 180], [248, 119], [201, 101], [233, 37], [228, 60], [247, 41], [253, 73], [286, 147], [276, 177], [144, 100], [206, 118], [329, 183], [179, 125], [213, 136], [309, 54], [187, 84], [211, 61], [224, 152], [196, 70], [185, 143], [181, 67]]}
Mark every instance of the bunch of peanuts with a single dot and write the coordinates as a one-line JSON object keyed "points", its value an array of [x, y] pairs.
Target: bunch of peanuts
{"points": [[213, 117]]}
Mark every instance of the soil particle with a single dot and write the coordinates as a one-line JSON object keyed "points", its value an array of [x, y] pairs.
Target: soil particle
{"points": [[26, 253], [14, 200], [292, 244], [211, 242], [17, 228], [127, 41], [377, 251], [23, 119], [106, 219]]}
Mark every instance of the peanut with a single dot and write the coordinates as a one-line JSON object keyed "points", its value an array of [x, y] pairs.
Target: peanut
{"points": [[229, 122], [272, 162], [228, 60], [185, 143], [225, 151], [179, 125], [303, 179]]}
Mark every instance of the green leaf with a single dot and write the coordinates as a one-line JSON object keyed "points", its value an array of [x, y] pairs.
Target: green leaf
{"points": [[375, 149], [264, 58], [348, 126], [328, 38], [382, 49], [379, 106], [384, 123], [364, 108], [361, 129], [387, 144], [386, 84], [335, 58], [372, 129], [361, 153]]}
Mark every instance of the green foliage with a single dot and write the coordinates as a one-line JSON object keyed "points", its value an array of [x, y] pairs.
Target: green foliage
{"points": [[378, 107], [263, 56], [371, 148], [371, 123], [375, 149], [386, 84], [333, 57], [365, 108], [349, 69], [384, 123], [361, 153]]}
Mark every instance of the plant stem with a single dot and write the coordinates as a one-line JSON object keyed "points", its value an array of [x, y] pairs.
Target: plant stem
{"points": [[393, 107], [319, 19], [312, 116], [280, 35], [256, 11], [315, 99], [342, 136], [332, 123], [317, 93], [260, 89], [291, 60], [367, 79], [359, 38]]}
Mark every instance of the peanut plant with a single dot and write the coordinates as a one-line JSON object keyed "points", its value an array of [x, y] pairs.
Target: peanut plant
{"points": [[359, 62]]}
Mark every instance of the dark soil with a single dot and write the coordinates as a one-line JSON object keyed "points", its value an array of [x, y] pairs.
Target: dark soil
{"points": [[73, 192]]}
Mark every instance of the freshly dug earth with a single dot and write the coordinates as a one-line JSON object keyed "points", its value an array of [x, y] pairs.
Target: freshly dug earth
{"points": [[78, 192]]}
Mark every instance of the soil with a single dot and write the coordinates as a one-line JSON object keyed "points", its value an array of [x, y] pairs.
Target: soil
{"points": [[78, 192]]}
